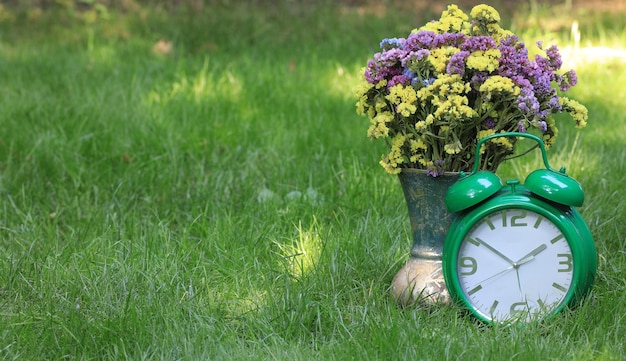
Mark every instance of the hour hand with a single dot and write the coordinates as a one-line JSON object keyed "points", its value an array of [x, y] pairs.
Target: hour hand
{"points": [[496, 251], [531, 255]]}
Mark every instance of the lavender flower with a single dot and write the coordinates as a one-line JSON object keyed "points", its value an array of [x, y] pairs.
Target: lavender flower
{"points": [[456, 65], [554, 58], [390, 57], [514, 57], [436, 169], [490, 123], [411, 59], [568, 80], [448, 39], [478, 79], [399, 79], [420, 40], [475, 43]]}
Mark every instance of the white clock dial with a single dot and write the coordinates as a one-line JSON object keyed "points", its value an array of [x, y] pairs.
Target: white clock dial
{"points": [[515, 264]]}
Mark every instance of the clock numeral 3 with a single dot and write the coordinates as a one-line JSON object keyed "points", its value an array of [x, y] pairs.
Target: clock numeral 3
{"points": [[567, 262]]}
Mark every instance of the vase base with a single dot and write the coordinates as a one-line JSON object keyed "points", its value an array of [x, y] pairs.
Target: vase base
{"points": [[421, 281]]}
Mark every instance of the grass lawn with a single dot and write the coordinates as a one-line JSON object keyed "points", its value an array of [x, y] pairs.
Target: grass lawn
{"points": [[219, 198]]}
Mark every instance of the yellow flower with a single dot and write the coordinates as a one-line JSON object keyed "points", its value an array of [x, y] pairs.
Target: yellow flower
{"points": [[440, 57], [362, 88], [485, 21], [361, 106], [482, 134], [501, 141], [378, 127], [455, 107], [417, 148], [453, 148], [395, 158], [486, 60], [453, 19], [425, 162], [485, 133], [485, 13], [424, 93], [388, 167], [578, 111], [380, 104], [405, 99], [498, 84], [504, 142]]}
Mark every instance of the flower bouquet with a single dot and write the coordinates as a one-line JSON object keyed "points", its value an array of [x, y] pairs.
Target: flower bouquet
{"points": [[434, 94]]}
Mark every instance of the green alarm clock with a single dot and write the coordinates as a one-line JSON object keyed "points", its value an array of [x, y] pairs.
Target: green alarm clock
{"points": [[519, 252]]}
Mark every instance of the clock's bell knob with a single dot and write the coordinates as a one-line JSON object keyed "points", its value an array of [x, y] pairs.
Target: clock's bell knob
{"points": [[555, 186], [472, 190]]}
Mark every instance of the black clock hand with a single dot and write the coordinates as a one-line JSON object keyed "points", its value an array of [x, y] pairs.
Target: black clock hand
{"points": [[531, 255], [495, 251]]}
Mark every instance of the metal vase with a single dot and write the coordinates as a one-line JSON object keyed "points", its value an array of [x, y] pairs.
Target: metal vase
{"points": [[421, 279]]}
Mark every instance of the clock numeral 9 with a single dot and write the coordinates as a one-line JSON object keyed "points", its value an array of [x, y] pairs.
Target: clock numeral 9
{"points": [[567, 262], [469, 264]]}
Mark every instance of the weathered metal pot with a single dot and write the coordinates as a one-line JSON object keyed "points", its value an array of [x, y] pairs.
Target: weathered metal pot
{"points": [[421, 279]]}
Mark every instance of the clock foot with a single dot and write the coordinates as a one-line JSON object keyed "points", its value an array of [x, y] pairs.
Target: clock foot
{"points": [[421, 281]]}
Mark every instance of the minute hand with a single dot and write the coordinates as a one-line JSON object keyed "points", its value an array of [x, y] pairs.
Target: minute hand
{"points": [[495, 251]]}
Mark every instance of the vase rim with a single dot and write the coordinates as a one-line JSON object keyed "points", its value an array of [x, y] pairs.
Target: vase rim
{"points": [[423, 171]]}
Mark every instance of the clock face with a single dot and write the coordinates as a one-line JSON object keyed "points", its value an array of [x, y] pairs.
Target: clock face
{"points": [[515, 265]]}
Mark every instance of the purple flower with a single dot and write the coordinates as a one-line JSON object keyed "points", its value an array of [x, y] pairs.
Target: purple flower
{"points": [[568, 80], [399, 79], [475, 43], [490, 123], [554, 57], [414, 57], [436, 169], [527, 102], [375, 72], [420, 40], [521, 127], [448, 39], [456, 65], [514, 57], [390, 57], [478, 79]]}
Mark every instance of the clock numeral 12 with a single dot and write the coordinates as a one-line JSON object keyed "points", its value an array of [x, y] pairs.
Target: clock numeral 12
{"points": [[515, 220]]}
